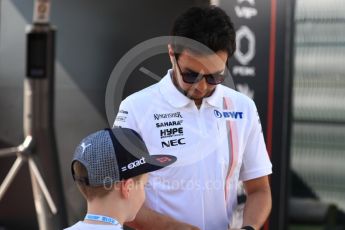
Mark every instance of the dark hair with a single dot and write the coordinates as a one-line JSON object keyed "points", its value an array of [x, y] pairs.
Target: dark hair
{"points": [[210, 26]]}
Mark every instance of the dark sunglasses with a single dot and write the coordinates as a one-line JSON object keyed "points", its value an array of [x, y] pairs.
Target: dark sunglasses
{"points": [[192, 77]]}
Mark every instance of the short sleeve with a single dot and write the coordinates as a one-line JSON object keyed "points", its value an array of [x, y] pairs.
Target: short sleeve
{"points": [[256, 162], [125, 117]]}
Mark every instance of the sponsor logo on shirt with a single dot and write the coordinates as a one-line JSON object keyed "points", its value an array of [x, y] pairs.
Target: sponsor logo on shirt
{"points": [[169, 123], [123, 111], [133, 164], [228, 114], [173, 142], [172, 132], [158, 116], [121, 118]]}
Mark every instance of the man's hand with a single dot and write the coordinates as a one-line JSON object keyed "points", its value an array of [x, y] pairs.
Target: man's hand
{"points": [[148, 219], [175, 225]]}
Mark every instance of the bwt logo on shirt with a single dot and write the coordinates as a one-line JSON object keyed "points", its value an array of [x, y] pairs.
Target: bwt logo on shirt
{"points": [[233, 115], [134, 164], [167, 115]]}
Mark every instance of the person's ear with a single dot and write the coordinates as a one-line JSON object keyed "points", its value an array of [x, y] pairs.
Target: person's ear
{"points": [[126, 187], [171, 54]]}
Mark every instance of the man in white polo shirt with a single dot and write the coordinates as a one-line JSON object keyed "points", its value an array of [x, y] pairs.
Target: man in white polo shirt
{"points": [[213, 130]]}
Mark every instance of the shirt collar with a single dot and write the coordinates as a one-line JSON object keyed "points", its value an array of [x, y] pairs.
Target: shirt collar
{"points": [[170, 93], [216, 99], [177, 99]]}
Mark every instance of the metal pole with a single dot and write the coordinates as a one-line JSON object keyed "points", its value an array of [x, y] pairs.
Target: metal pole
{"points": [[39, 143], [10, 176], [39, 119], [42, 186]]}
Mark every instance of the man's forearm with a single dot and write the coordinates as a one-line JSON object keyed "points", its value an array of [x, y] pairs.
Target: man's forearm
{"points": [[148, 219], [257, 208], [259, 202]]}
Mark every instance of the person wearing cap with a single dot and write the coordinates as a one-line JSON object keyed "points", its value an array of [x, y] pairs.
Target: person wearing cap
{"points": [[110, 168], [214, 131]]}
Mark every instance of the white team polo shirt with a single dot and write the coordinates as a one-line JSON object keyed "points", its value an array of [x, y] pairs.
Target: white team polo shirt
{"points": [[216, 146]]}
